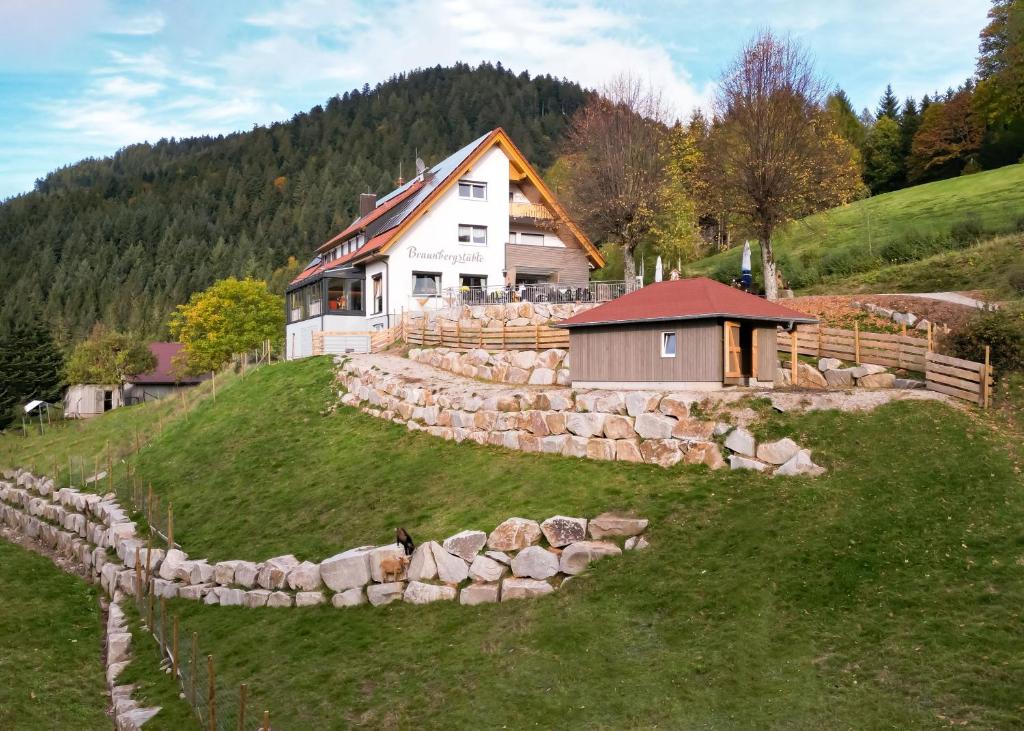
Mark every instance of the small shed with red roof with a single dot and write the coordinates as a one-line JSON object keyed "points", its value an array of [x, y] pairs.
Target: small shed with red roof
{"points": [[694, 334]]}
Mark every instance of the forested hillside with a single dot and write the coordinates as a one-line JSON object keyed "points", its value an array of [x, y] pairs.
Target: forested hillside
{"points": [[124, 239]]}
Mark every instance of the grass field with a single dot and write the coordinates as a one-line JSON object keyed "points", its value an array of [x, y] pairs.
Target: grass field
{"points": [[888, 593], [899, 227], [51, 646]]}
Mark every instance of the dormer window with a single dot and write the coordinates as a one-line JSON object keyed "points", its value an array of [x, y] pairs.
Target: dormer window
{"points": [[472, 190]]}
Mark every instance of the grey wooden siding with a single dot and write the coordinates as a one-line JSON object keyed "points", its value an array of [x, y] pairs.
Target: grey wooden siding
{"points": [[767, 357], [633, 352], [570, 262]]}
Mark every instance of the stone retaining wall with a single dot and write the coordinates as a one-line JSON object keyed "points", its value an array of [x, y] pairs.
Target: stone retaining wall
{"points": [[513, 314], [516, 367], [520, 558]]}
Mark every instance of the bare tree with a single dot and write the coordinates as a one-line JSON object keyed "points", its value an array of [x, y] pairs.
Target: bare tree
{"points": [[774, 151], [616, 165]]}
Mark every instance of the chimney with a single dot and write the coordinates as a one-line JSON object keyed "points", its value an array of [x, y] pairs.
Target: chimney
{"points": [[367, 202]]}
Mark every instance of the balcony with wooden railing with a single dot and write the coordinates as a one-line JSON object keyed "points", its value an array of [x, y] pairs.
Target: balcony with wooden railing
{"points": [[529, 211]]}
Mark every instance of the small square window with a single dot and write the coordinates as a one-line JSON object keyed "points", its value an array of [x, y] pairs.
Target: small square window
{"points": [[668, 345], [475, 235], [473, 191]]}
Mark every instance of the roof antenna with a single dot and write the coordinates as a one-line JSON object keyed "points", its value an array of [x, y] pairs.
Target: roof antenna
{"points": [[401, 180], [420, 165]]}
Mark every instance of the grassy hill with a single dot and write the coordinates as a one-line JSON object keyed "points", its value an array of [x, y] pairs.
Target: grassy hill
{"points": [[886, 594], [896, 228]]}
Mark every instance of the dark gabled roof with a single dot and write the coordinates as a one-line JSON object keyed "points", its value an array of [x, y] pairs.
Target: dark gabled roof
{"points": [[163, 373], [685, 299]]}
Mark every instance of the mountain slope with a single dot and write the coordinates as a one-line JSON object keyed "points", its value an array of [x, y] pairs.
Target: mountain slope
{"points": [[124, 239], [895, 228]]}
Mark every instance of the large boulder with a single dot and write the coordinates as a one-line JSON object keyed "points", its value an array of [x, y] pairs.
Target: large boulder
{"points": [[640, 402], [829, 364], [450, 568], [479, 594], [379, 594], [200, 572], [274, 573], [542, 377], [739, 462], [742, 442], [535, 562], [866, 369], [800, 464], [419, 593], [515, 588], [676, 405], [616, 524], [466, 544], [224, 572], [706, 453], [628, 450], [304, 577], [662, 452], [514, 534], [346, 570], [576, 557], [246, 573], [777, 452], [808, 376], [619, 427], [585, 424], [654, 426], [349, 598], [255, 598], [561, 530], [486, 569], [839, 378], [171, 563], [877, 380], [601, 449], [393, 555], [422, 566], [279, 600], [309, 598]]}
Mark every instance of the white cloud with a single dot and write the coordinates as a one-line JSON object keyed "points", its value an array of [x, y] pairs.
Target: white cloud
{"points": [[139, 25]]}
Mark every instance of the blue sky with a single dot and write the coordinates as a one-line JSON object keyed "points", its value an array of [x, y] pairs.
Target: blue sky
{"points": [[83, 78]]}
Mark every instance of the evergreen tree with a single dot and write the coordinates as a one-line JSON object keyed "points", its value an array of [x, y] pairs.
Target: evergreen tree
{"points": [[883, 156], [848, 125], [999, 97], [888, 105], [31, 367]]}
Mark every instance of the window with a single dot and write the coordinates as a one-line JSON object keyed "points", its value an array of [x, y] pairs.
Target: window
{"points": [[473, 191], [378, 293], [426, 284], [511, 237], [472, 235], [668, 345], [531, 239], [344, 296], [472, 280]]}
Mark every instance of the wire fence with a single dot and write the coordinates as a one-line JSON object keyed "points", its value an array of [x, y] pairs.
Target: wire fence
{"points": [[217, 707]]}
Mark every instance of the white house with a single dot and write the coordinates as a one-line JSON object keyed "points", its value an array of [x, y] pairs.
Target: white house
{"points": [[480, 226]]}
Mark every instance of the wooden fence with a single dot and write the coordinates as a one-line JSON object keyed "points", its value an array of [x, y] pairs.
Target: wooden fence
{"points": [[963, 379], [892, 351], [502, 337]]}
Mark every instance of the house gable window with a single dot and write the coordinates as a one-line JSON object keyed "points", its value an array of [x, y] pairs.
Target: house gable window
{"points": [[426, 284], [472, 190], [472, 235], [668, 345]]}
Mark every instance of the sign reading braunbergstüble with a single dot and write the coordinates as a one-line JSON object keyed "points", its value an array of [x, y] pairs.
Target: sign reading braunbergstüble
{"points": [[451, 257]]}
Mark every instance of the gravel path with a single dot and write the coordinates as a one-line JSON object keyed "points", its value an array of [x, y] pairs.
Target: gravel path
{"points": [[955, 298]]}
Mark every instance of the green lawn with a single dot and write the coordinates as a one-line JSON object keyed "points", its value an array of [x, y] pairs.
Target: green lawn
{"points": [[887, 594], [860, 237], [51, 646], [985, 266]]}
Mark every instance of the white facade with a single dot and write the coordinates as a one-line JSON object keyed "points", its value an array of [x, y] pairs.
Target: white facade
{"points": [[429, 261]]}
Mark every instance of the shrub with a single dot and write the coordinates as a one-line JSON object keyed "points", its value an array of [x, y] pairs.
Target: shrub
{"points": [[1002, 330], [967, 230], [912, 246], [1015, 277], [1018, 225], [843, 262]]}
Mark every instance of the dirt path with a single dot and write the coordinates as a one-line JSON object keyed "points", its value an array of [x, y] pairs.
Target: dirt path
{"points": [[955, 298]]}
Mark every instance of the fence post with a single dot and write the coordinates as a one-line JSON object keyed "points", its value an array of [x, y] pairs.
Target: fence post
{"points": [[212, 693], [819, 339], [793, 355], [985, 395], [192, 665], [929, 336], [856, 342], [458, 334], [149, 504], [163, 628], [138, 574], [266, 720], [242, 693], [536, 337], [174, 646], [170, 525]]}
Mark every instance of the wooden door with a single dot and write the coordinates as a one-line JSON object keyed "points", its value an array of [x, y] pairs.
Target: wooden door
{"points": [[733, 350]]}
